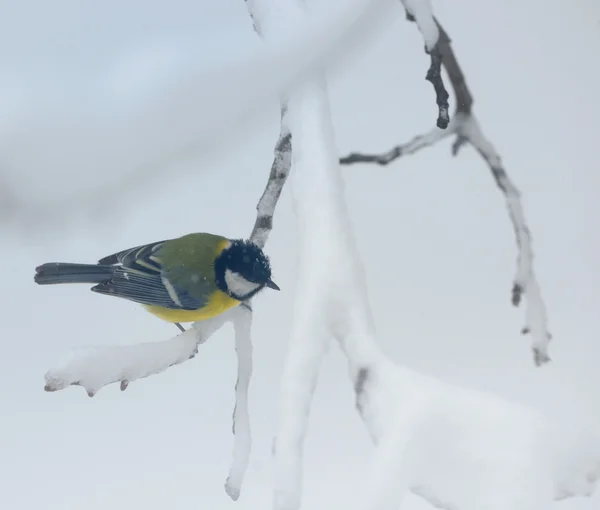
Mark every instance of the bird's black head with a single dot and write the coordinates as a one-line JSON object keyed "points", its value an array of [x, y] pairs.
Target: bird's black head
{"points": [[243, 269]]}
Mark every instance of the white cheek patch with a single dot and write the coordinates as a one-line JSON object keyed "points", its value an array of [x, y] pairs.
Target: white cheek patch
{"points": [[238, 285]]}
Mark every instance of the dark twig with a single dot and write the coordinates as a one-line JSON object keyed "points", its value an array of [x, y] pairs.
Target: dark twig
{"points": [[410, 147], [434, 74], [467, 130]]}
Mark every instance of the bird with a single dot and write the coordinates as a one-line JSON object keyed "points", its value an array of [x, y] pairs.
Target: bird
{"points": [[187, 279]]}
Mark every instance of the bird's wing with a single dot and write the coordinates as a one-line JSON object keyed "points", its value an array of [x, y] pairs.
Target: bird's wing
{"points": [[139, 254], [141, 277]]}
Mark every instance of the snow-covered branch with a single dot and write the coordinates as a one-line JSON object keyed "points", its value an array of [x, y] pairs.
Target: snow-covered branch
{"points": [[242, 324], [280, 170], [96, 367], [467, 130], [463, 449]]}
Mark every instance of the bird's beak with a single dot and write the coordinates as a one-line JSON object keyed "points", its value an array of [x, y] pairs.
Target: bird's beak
{"points": [[272, 285]]}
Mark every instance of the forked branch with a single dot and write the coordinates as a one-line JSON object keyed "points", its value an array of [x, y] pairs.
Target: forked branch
{"points": [[467, 130]]}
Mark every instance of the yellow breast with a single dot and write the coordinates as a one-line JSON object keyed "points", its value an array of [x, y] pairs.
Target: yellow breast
{"points": [[217, 304]]}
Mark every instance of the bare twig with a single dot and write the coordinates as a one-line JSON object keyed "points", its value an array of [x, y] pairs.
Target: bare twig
{"points": [[434, 75], [432, 36], [410, 147], [467, 130]]}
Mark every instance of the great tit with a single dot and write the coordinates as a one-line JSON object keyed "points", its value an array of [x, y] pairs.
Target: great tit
{"points": [[188, 279]]}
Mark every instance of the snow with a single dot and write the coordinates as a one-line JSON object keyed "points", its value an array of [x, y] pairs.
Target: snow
{"points": [[422, 11], [96, 367], [242, 324], [466, 449]]}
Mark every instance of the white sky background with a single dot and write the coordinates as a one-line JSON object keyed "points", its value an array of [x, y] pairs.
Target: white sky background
{"points": [[432, 230]]}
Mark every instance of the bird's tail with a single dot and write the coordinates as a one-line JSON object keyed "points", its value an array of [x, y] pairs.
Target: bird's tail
{"points": [[64, 272]]}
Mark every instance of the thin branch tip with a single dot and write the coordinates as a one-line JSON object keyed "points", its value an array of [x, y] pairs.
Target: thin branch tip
{"points": [[434, 73], [434, 76]]}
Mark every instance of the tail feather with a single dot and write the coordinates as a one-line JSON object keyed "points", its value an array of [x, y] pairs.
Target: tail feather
{"points": [[64, 272]]}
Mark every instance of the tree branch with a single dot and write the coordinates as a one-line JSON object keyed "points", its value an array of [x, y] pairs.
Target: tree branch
{"points": [[280, 169], [415, 144], [420, 12], [467, 130]]}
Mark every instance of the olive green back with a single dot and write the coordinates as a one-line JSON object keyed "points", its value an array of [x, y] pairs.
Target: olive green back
{"points": [[188, 262]]}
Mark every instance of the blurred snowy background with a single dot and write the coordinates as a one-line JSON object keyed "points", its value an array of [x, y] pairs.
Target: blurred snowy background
{"points": [[432, 230]]}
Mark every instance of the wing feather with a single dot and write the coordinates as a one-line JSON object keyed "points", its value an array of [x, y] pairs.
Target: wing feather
{"points": [[140, 277]]}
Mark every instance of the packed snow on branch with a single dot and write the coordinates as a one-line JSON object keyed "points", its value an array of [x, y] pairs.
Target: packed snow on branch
{"points": [[242, 445], [422, 13], [96, 367], [464, 449]]}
